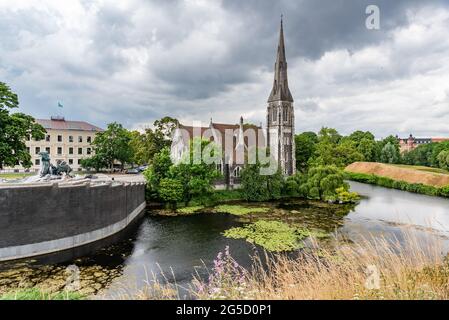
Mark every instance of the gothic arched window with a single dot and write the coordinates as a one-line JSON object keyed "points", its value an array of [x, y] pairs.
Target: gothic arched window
{"points": [[237, 172]]}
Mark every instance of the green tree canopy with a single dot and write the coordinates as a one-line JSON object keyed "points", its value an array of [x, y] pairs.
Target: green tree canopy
{"points": [[140, 149], [15, 129], [443, 159], [197, 177], [329, 135], [95, 162], [163, 130], [322, 182], [305, 149], [365, 144], [158, 170], [390, 154], [113, 144], [259, 187], [333, 149], [392, 140], [442, 146], [421, 155]]}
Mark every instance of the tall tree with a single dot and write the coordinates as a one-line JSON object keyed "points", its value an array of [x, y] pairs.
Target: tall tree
{"points": [[392, 140], [443, 159], [157, 171], [15, 129], [163, 130], [305, 148], [442, 146], [333, 149], [420, 156], [197, 177], [365, 144], [389, 154], [139, 148], [113, 144]]}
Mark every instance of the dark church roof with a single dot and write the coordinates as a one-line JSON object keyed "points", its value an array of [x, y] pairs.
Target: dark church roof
{"points": [[280, 91]]}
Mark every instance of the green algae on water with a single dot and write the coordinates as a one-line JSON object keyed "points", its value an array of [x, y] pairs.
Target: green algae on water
{"points": [[190, 210], [238, 210], [274, 236]]}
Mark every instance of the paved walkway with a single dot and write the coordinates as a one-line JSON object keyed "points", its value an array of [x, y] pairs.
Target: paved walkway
{"points": [[127, 177]]}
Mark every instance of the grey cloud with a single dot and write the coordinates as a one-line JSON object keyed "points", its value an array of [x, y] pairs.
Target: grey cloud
{"points": [[186, 69]]}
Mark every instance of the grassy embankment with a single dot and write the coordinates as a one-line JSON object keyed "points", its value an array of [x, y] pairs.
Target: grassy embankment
{"points": [[417, 179]]}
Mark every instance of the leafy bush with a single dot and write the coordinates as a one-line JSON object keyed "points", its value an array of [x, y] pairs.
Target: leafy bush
{"points": [[444, 191], [320, 183], [345, 196], [171, 190]]}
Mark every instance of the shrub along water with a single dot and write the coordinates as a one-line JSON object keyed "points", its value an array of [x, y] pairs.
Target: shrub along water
{"points": [[321, 183], [400, 185]]}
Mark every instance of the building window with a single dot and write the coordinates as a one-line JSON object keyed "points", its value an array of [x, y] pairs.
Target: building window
{"points": [[27, 138], [89, 139], [70, 150], [79, 161], [37, 162], [59, 138], [80, 150], [70, 161], [80, 139], [70, 138], [47, 138], [59, 150], [28, 149], [38, 149], [237, 172], [48, 150], [88, 151]]}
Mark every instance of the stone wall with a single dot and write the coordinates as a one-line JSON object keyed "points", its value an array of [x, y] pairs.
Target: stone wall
{"points": [[46, 218]]}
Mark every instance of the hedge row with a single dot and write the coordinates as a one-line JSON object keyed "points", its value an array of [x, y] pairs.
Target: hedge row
{"points": [[400, 185]]}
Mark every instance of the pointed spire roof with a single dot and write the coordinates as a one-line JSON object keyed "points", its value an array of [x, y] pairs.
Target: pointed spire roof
{"points": [[280, 91]]}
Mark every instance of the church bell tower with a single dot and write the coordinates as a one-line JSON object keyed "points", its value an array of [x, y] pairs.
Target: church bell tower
{"points": [[280, 114]]}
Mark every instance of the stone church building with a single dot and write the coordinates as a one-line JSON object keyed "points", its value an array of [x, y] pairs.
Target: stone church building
{"points": [[278, 134]]}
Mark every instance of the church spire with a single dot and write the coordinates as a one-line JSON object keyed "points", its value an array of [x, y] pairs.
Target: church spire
{"points": [[280, 91]]}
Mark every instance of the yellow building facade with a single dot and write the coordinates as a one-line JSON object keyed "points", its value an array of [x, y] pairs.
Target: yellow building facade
{"points": [[68, 141]]}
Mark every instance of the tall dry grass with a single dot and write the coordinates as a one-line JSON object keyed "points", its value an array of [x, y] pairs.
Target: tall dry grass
{"points": [[371, 269]]}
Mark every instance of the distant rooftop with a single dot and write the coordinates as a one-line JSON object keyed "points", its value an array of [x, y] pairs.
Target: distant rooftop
{"points": [[59, 123]]}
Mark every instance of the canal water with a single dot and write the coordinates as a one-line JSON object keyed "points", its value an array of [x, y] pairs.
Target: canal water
{"points": [[173, 249]]}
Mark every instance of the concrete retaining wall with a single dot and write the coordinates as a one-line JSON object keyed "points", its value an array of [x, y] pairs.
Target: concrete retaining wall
{"points": [[46, 218]]}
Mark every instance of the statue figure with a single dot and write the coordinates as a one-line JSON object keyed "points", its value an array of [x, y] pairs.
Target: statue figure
{"points": [[61, 168], [48, 169], [45, 164]]}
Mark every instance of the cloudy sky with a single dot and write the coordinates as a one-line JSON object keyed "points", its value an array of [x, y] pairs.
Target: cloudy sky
{"points": [[135, 61]]}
